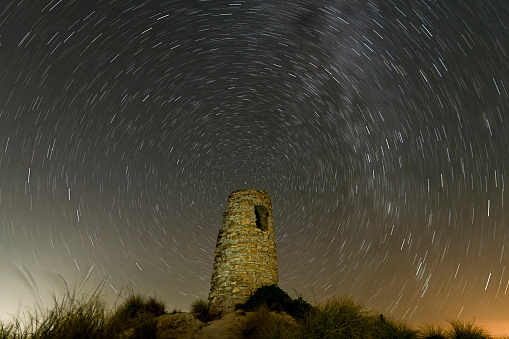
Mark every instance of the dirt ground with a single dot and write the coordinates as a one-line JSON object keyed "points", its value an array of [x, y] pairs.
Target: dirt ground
{"points": [[227, 327], [186, 326]]}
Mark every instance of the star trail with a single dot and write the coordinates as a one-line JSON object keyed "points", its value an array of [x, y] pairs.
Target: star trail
{"points": [[378, 128]]}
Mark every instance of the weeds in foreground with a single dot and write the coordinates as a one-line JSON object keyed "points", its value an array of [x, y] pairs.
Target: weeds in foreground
{"points": [[262, 324], [137, 313], [462, 330], [346, 319], [13, 330], [299, 308], [432, 332], [204, 310], [335, 319], [390, 328], [277, 300], [84, 315], [71, 317]]}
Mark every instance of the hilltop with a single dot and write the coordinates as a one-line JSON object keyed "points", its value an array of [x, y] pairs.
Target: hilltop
{"points": [[268, 313]]}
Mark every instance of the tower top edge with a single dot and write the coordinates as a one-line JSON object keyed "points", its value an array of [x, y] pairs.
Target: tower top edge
{"points": [[249, 192]]}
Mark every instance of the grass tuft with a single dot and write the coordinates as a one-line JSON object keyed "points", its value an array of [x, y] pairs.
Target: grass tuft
{"points": [[432, 332], [335, 319], [390, 328], [262, 324], [465, 330], [204, 310], [13, 330], [136, 313], [85, 316], [345, 319], [70, 317]]}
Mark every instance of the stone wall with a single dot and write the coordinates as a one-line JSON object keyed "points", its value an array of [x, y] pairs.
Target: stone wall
{"points": [[245, 258]]}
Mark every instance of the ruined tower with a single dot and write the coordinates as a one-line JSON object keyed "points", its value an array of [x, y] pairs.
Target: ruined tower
{"points": [[245, 258]]}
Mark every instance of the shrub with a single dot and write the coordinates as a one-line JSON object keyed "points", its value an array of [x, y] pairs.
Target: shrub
{"points": [[272, 296], [388, 328], [135, 313], [346, 319], [137, 306], [298, 308], [432, 332], [71, 317], [204, 309], [277, 300], [335, 319], [461, 330], [84, 315], [262, 324]]}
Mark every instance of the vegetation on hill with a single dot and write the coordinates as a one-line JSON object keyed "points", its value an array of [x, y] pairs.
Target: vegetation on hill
{"points": [[275, 299], [270, 313], [87, 317], [336, 319], [203, 310]]}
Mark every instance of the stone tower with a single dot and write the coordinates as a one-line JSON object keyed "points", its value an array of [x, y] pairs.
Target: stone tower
{"points": [[245, 258]]}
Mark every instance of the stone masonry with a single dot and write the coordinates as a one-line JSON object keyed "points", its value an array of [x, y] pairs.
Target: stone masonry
{"points": [[245, 258]]}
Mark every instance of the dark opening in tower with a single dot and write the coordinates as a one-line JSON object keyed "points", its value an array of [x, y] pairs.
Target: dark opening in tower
{"points": [[262, 217]]}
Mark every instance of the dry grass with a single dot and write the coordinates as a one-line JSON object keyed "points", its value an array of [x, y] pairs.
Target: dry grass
{"points": [[432, 332], [203, 309], [346, 319], [462, 330], [264, 324], [84, 315], [81, 314]]}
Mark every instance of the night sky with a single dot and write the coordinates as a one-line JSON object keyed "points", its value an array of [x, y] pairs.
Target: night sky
{"points": [[379, 128]]}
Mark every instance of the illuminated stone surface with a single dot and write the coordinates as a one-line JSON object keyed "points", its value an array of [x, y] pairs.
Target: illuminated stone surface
{"points": [[245, 257]]}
